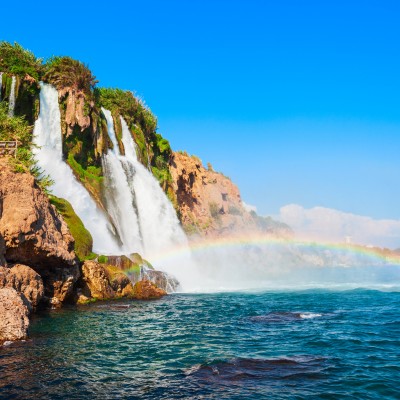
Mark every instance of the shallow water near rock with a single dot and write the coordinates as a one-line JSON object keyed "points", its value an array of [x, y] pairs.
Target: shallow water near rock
{"points": [[281, 345]]}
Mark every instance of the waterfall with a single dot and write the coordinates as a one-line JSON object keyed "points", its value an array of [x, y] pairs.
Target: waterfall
{"points": [[120, 199], [47, 139], [1, 83], [145, 218], [160, 227], [11, 101]]}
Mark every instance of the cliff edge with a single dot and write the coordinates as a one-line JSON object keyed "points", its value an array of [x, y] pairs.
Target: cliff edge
{"points": [[210, 204]]}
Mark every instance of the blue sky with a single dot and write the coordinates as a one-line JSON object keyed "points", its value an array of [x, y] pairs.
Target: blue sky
{"points": [[296, 101]]}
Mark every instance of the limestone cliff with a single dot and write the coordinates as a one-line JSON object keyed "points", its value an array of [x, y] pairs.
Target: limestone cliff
{"points": [[209, 203]]}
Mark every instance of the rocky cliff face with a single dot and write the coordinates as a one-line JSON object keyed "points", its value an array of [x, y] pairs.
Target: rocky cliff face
{"points": [[34, 234], [209, 203]]}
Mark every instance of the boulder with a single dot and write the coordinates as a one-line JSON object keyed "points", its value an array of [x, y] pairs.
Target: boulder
{"points": [[96, 283], [28, 282], [146, 290], [14, 320]]}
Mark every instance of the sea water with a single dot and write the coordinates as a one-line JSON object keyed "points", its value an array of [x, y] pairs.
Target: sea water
{"points": [[282, 344]]}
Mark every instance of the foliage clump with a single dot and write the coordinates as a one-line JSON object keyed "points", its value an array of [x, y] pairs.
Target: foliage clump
{"points": [[17, 129], [65, 72], [15, 60]]}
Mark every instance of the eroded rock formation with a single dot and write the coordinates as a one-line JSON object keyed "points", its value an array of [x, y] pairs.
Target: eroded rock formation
{"points": [[27, 282], [14, 320], [35, 234], [75, 113], [209, 203], [103, 282]]}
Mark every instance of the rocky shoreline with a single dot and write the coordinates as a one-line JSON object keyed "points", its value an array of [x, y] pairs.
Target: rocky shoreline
{"points": [[39, 267]]}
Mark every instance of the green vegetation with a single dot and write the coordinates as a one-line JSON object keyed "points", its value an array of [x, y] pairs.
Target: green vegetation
{"points": [[83, 238], [214, 210], [102, 259], [27, 69], [15, 60], [80, 154], [152, 147], [17, 128], [65, 72]]}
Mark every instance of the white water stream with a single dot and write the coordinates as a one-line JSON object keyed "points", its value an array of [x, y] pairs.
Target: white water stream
{"points": [[11, 101], [146, 219], [47, 137]]}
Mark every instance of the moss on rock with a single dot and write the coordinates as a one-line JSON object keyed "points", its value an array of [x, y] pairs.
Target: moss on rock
{"points": [[83, 238]]}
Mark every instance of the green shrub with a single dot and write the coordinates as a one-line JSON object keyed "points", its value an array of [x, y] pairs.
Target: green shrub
{"points": [[214, 210], [17, 128], [65, 72], [16, 60], [102, 259]]}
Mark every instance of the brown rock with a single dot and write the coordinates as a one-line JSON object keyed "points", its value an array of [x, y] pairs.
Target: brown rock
{"points": [[96, 281], [4, 271], [146, 290], [2, 250], [35, 234], [209, 203], [28, 282], [75, 111], [14, 320], [121, 285]]}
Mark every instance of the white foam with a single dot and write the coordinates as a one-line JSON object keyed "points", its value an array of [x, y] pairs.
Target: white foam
{"points": [[310, 315]]}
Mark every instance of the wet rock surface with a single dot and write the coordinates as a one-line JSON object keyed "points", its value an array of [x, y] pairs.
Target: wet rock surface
{"points": [[146, 290]]}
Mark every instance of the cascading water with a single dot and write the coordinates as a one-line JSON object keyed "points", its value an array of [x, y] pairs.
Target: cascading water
{"points": [[47, 138], [159, 224], [120, 200], [11, 101], [146, 219]]}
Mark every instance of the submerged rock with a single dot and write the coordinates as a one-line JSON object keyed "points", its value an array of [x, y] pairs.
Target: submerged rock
{"points": [[14, 320], [146, 290]]}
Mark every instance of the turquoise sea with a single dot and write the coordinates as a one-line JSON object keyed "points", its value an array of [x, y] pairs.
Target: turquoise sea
{"points": [[311, 344]]}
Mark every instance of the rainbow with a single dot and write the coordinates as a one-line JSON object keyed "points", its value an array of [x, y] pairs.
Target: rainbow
{"points": [[383, 255]]}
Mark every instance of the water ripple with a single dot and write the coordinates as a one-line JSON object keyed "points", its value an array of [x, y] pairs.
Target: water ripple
{"points": [[303, 345]]}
